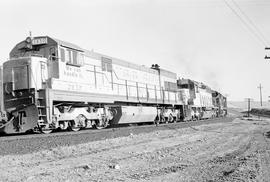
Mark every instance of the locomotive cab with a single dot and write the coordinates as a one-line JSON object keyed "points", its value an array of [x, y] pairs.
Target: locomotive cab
{"points": [[22, 78], [24, 75]]}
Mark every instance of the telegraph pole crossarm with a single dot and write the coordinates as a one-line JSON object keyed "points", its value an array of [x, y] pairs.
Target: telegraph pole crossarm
{"points": [[267, 57]]}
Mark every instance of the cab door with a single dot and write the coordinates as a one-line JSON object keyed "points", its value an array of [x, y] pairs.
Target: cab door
{"points": [[53, 63]]}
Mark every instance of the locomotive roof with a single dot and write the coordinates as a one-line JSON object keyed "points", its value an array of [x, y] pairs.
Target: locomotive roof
{"points": [[53, 41], [129, 64], [200, 84], [68, 44], [114, 60]]}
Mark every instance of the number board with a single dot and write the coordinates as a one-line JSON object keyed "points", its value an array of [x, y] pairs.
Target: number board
{"points": [[39, 41]]}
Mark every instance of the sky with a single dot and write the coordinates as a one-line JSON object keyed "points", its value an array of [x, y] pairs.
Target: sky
{"points": [[203, 40]]}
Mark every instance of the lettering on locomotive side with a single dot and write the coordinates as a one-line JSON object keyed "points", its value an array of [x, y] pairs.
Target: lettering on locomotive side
{"points": [[39, 41], [73, 72]]}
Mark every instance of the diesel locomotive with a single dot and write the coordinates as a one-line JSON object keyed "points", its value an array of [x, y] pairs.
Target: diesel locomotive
{"points": [[51, 84]]}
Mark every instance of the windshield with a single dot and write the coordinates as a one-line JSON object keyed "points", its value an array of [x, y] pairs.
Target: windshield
{"points": [[15, 75]]}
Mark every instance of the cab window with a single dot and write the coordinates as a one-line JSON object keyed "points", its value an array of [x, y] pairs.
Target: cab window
{"points": [[72, 57], [62, 52]]}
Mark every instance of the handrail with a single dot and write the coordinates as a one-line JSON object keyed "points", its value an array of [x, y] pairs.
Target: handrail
{"points": [[116, 75], [2, 126]]}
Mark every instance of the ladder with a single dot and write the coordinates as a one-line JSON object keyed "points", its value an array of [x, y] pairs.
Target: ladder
{"points": [[41, 105]]}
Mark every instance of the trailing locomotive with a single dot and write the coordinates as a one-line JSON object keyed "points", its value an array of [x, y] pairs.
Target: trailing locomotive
{"points": [[50, 84]]}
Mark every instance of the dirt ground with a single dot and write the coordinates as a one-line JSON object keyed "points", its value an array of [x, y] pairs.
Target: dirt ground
{"points": [[235, 151]]}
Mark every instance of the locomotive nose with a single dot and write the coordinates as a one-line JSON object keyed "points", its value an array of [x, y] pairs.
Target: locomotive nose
{"points": [[20, 120]]}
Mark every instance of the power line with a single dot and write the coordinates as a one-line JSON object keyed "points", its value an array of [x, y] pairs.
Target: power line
{"points": [[245, 23], [251, 22]]}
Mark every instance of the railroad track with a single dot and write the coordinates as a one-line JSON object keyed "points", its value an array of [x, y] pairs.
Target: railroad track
{"points": [[22, 144]]}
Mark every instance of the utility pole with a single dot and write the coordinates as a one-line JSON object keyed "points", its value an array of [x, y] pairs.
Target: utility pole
{"points": [[248, 106], [260, 87], [248, 102]]}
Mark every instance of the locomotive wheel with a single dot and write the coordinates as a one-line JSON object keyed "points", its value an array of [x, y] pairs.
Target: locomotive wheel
{"points": [[72, 127], [45, 130], [63, 125], [157, 120], [80, 120], [162, 119], [101, 124], [170, 119]]}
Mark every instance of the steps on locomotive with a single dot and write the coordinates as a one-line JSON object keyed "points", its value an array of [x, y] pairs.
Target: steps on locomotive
{"points": [[41, 105]]}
